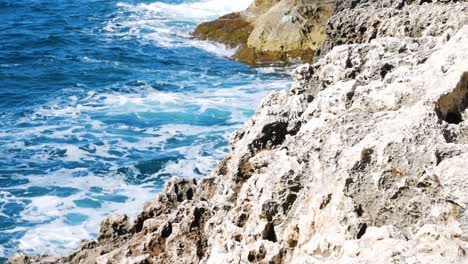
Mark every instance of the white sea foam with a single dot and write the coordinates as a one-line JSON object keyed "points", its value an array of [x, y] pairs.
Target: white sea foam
{"points": [[56, 236], [195, 10], [169, 25]]}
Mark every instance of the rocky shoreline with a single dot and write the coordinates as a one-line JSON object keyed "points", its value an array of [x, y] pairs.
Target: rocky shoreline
{"points": [[272, 31], [362, 160]]}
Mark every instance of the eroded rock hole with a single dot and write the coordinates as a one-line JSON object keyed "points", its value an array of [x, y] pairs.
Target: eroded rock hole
{"points": [[166, 230], [197, 217], [189, 194], [273, 134], [362, 230], [251, 256], [453, 118], [241, 220], [289, 201], [451, 106], [269, 233], [385, 70]]}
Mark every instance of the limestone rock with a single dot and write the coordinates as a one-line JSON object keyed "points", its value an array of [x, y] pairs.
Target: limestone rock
{"points": [[363, 20], [272, 31], [290, 29]]}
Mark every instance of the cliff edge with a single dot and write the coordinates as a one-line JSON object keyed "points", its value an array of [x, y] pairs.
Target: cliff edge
{"points": [[362, 160], [272, 31]]}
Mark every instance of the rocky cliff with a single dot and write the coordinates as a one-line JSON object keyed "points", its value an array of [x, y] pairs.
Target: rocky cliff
{"points": [[272, 31], [362, 160]]}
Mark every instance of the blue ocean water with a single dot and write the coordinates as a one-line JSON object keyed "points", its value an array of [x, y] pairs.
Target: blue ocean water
{"points": [[101, 101]]}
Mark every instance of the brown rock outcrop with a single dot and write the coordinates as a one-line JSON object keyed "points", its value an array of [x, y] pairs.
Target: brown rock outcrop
{"points": [[231, 29], [272, 31]]}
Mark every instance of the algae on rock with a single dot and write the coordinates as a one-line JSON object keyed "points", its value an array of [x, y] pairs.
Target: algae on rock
{"points": [[231, 30]]}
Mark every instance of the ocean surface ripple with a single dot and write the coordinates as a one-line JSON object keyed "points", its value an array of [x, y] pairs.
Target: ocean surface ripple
{"points": [[101, 102]]}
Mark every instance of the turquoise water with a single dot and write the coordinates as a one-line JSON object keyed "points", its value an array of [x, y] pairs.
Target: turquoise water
{"points": [[101, 102]]}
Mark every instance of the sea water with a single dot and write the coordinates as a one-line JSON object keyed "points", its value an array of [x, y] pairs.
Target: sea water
{"points": [[101, 102]]}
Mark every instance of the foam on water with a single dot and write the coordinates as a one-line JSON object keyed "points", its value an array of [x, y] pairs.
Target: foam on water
{"points": [[198, 10], [169, 25], [64, 223], [88, 151]]}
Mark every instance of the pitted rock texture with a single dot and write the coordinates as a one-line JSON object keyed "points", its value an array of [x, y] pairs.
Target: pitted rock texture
{"points": [[363, 20], [362, 160]]}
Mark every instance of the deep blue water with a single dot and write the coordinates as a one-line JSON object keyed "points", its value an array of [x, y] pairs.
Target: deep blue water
{"points": [[101, 102]]}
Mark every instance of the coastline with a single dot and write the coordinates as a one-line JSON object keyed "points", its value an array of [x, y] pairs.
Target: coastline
{"points": [[351, 160], [132, 104], [272, 32]]}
